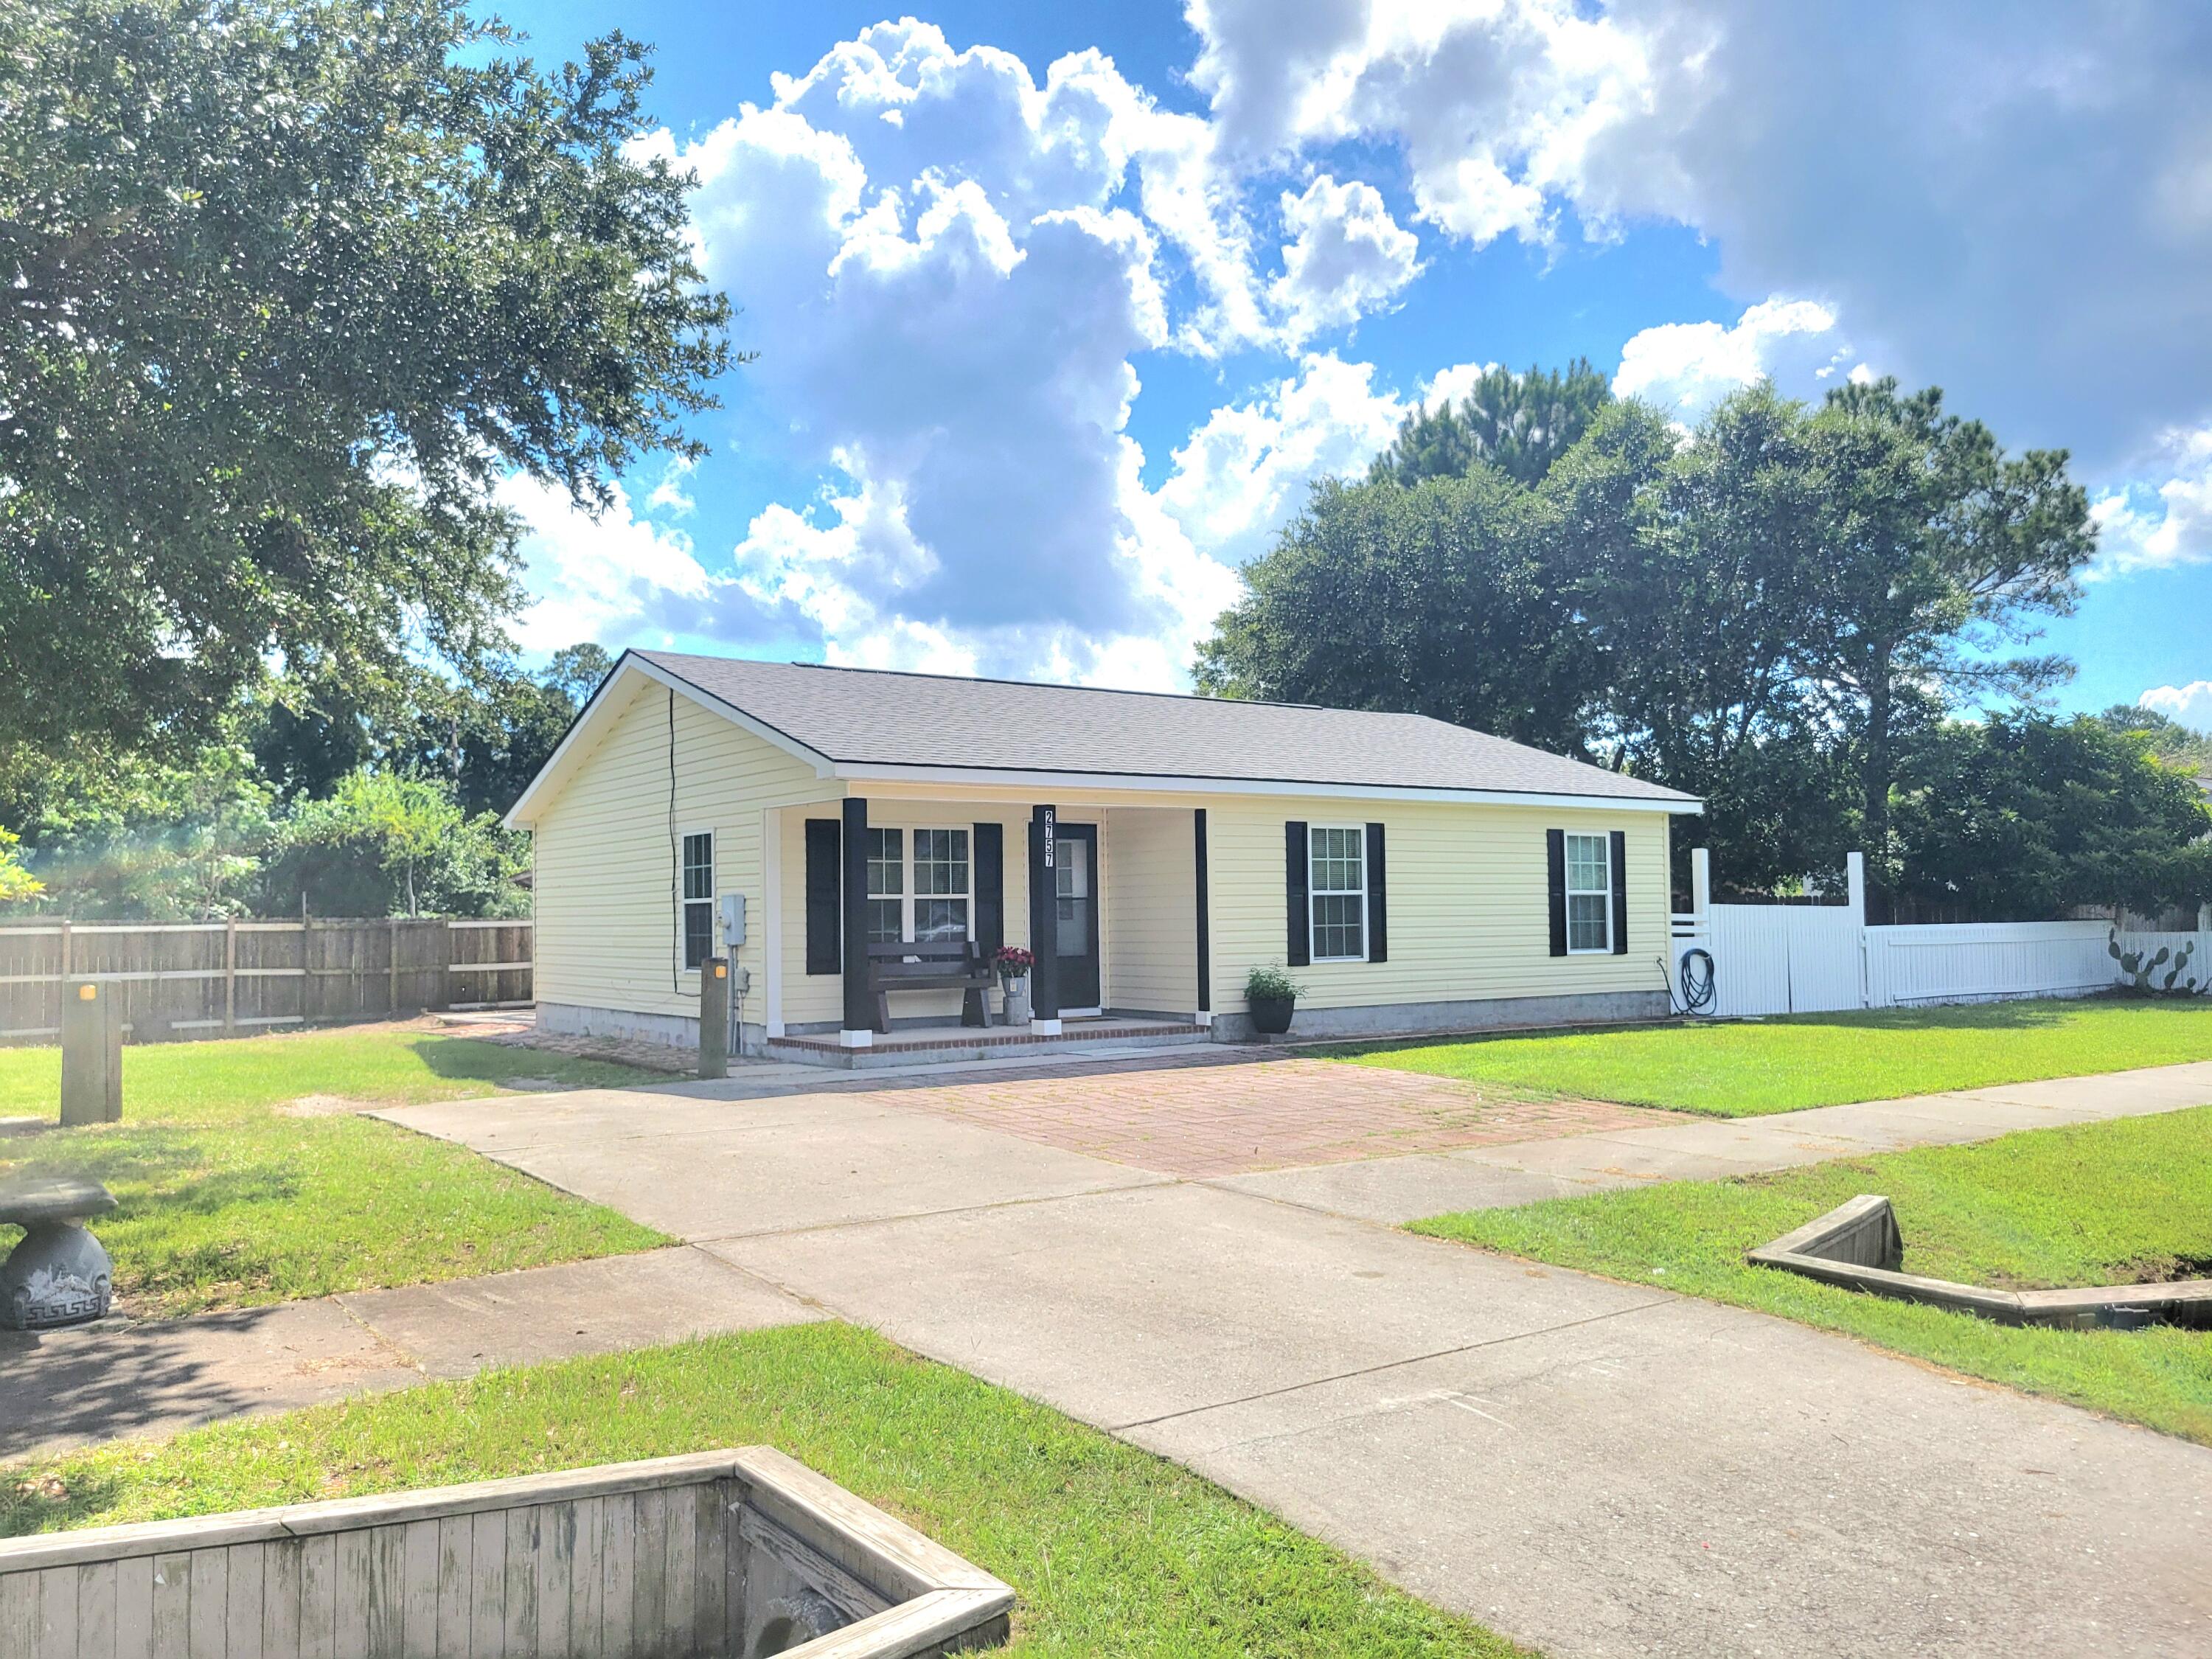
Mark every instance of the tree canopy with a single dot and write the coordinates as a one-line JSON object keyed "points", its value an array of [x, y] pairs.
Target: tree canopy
{"points": [[2029, 814], [1778, 610], [1429, 599], [349, 802], [288, 288], [1518, 423]]}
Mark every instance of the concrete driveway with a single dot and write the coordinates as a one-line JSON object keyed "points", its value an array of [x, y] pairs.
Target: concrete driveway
{"points": [[1593, 1468]]}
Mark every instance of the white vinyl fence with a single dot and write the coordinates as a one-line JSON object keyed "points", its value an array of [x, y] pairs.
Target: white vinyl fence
{"points": [[1801, 960]]}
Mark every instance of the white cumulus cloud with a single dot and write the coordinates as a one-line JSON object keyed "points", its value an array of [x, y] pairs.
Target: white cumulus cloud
{"points": [[1346, 257], [2156, 522], [1687, 368], [2191, 704]]}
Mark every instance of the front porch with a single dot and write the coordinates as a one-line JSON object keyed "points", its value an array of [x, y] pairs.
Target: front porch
{"points": [[1110, 900], [935, 1044]]}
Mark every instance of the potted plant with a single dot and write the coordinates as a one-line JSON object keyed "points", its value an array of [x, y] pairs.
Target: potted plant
{"points": [[1012, 964], [1270, 995]]}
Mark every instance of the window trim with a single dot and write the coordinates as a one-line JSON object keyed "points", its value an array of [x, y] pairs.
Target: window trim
{"points": [[683, 901], [1314, 891], [908, 895], [1571, 892]]}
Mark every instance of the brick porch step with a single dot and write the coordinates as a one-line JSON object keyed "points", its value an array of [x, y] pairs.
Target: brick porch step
{"points": [[927, 1047]]}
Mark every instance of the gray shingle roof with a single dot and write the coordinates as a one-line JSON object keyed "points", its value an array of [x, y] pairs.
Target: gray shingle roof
{"points": [[871, 717]]}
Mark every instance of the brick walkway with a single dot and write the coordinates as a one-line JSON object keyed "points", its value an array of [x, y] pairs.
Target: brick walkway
{"points": [[1237, 1119]]}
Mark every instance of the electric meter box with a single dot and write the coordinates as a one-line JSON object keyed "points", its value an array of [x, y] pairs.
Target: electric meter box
{"points": [[733, 920]]}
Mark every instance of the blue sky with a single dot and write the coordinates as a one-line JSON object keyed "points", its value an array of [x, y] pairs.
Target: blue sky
{"points": [[1061, 309]]}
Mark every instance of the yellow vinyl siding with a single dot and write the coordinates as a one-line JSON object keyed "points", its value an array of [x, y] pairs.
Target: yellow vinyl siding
{"points": [[606, 924], [1468, 896], [1150, 917]]}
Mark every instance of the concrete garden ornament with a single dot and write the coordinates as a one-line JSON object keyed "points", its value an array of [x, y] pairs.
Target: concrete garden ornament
{"points": [[58, 1274]]}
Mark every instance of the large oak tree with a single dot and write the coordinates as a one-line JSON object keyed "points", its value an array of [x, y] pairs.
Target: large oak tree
{"points": [[288, 288]]}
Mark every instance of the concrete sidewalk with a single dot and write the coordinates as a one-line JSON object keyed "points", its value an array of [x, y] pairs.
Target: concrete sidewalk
{"points": [[1591, 1467], [123, 1376]]}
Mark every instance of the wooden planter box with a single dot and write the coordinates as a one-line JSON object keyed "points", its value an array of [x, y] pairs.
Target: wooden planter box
{"points": [[722, 1555]]}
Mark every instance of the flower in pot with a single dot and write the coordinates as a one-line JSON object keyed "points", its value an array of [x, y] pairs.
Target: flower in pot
{"points": [[1270, 996], [1012, 964]]}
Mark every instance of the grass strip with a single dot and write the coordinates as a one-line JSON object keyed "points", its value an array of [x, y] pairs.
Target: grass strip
{"points": [[2099, 1203], [229, 1201], [1747, 1068], [1113, 1552]]}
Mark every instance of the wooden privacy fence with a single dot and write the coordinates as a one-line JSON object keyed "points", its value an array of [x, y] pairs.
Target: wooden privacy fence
{"points": [[222, 978]]}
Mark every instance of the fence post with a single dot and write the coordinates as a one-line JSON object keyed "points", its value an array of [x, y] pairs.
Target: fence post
{"points": [[1701, 880], [1855, 886], [230, 976], [392, 998]]}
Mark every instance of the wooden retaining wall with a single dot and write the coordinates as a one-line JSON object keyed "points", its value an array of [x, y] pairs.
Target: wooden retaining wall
{"points": [[701, 1556], [616, 1573], [232, 978]]}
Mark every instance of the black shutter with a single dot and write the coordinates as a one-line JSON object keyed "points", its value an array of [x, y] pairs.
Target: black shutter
{"points": [[1619, 893], [1555, 849], [1299, 935], [1378, 914], [823, 876], [990, 874], [1203, 919]]}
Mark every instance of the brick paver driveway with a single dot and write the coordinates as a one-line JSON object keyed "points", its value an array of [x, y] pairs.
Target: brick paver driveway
{"points": [[1240, 1115]]}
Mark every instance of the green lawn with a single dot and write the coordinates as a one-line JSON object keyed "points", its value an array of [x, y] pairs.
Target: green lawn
{"points": [[1112, 1552], [229, 1200], [1742, 1068], [2095, 1204]]}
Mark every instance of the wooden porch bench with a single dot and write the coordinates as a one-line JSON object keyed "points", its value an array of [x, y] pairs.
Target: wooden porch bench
{"points": [[930, 965]]}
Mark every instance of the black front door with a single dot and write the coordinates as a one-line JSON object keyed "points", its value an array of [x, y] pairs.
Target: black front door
{"points": [[1075, 914]]}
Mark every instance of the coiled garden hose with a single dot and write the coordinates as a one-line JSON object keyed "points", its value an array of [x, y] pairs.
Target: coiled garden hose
{"points": [[1697, 981]]}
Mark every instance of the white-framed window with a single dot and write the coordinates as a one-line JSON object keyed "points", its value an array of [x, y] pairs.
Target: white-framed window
{"points": [[697, 916], [1590, 895], [940, 883], [1336, 891], [929, 897], [886, 886]]}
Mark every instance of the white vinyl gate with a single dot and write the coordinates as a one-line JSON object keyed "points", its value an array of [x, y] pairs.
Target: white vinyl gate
{"points": [[1785, 959], [1812, 959]]}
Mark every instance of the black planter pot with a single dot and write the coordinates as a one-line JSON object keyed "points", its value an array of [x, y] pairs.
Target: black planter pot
{"points": [[1271, 1016]]}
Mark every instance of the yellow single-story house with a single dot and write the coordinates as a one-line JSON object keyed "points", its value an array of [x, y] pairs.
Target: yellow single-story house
{"points": [[1151, 850]]}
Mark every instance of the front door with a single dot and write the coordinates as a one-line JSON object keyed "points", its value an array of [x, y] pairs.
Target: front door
{"points": [[1075, 914]]}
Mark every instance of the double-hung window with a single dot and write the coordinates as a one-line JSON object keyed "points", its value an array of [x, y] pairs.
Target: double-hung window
{"points": [[886, 886], [1590, 895], [927, 899], [698, 889], [940, 883], [1336, 886]]}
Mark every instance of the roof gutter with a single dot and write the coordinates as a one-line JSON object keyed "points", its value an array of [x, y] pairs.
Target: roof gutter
{"points": [[982, 777]]}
